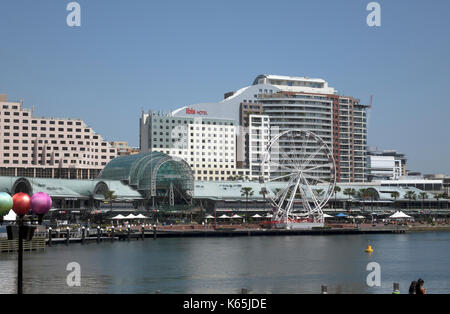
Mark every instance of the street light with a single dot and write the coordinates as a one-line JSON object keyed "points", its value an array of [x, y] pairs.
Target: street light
{"points": [[40, 204]]}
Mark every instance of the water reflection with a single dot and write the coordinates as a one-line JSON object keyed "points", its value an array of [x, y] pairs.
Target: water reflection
{"points": [[225, 265]]}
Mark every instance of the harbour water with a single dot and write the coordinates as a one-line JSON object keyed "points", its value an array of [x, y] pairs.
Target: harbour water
{"points": [[283, 264]]}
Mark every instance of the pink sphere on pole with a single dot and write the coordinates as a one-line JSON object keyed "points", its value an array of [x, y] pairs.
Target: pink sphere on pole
{"points": [[41, 203]]}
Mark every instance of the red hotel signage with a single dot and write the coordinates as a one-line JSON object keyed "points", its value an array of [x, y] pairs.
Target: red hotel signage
{"points": [[199, 112]]}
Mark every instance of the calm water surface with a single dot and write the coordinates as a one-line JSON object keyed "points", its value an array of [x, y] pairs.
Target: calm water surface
{"points": [[298, 264]]}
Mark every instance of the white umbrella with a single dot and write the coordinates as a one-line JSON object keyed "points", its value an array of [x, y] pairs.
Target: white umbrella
{"points": [[209, 217], [118, 217], [360, 217], [256, 216], [10, 217], [140, 216], [224, 216], [236, 216], [131, 216], [269, 216], [399, 215], [327, 216]]}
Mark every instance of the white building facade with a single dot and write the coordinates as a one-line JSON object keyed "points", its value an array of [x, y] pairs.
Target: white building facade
{"points": [[207, 145], [49, 147], [302, 103]]}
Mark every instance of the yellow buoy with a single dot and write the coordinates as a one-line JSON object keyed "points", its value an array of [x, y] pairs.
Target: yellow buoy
{"points": [[369, 249]]}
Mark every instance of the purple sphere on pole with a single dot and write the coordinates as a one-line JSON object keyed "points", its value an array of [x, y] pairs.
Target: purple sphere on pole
{"points": [[41, 203]]}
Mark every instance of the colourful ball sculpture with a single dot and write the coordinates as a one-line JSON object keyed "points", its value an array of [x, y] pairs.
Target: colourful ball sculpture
{"points": [[41, 203], [6, 203], [21, 204]]}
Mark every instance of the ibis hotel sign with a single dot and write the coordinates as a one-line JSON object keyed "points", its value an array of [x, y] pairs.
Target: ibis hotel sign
{"points": [[196, 112]]}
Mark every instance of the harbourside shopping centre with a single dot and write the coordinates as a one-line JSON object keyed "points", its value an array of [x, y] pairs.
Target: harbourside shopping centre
{"points": [[200, 157]]}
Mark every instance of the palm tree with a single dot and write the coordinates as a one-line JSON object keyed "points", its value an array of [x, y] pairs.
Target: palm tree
{"points": [[395, 195], [246, 191], [349, 192], [410, 195], [438, 197], [335, 191], [110, 196], [362, 194], [423, 196], [264, 192]]}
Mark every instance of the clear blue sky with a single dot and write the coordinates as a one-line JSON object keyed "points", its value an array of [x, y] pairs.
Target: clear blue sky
{"points": [[133, 55]]}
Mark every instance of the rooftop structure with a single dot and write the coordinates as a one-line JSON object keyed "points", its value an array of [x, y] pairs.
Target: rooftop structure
{"points": [[49, 147]]}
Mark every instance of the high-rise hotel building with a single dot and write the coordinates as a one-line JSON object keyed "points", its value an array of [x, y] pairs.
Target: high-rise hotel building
{"points": [[207, 145], [49, 147], [300, 103]]}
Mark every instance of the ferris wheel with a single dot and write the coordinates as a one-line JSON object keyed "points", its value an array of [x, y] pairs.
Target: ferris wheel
{"points": [[301, 167]]}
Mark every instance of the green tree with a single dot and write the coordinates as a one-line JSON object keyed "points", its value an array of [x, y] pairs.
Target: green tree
{"points": [[410, 195], [438, 197], [110, 196], [395, 195], [246, 191], [349, 192], [423, 196], [336, 190]]}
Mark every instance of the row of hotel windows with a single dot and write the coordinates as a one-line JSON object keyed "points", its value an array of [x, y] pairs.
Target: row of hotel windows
{"points": [[60, 142], [192, 122], [56, 148], [25, 162], [51, 122], [87, 137], [42, 128]]}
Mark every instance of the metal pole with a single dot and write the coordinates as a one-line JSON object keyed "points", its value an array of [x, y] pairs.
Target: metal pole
{"points": [[98, 234], [154, 232], [83, 234], [50, 236], [143, 233], [68, 236], [112, 234], [20, 258]]}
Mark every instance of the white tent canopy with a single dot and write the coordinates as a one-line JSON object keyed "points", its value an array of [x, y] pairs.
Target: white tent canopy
{"points": [[256, 216], [236, 216], [360, 217], [10, 217], [209, 217], [327, 216], [118, 217], [140, 216], [399, 215], [224, 216], [131, 216]]}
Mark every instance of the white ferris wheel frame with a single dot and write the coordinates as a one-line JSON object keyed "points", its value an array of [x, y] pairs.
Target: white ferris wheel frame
{"points": [[299, 180]]}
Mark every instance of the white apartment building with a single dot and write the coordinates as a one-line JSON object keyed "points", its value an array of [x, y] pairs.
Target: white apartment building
{"points": [[385, 165], [258, 134], [48, 147], [207, 145], [302, 103]]}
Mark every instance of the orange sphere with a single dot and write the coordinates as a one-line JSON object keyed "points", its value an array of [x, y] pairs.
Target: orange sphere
{"points": [[21, 204]]}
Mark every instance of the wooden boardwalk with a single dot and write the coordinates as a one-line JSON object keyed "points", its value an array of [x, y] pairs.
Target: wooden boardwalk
{"points": [[11, 246]]}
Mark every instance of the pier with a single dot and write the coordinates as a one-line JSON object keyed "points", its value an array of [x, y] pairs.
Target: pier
{"points": [[137, 235]]}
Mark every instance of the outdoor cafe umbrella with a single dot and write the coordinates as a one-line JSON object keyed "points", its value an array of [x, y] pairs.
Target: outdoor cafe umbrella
{"points": [[327, 216], [236, 216], [399, 215], [131, 216], [341, 215], [224, 216], [360, 217], [140, 216], [256, 216], [209, 217], [118, 217]]}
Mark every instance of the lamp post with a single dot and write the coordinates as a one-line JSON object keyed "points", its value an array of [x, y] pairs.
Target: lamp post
{"points": [[40, 204]]}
